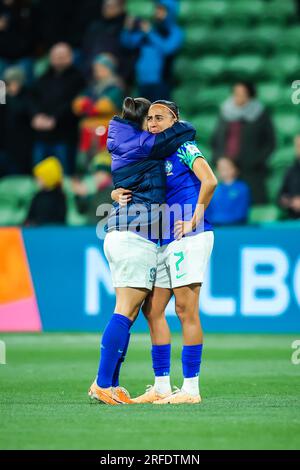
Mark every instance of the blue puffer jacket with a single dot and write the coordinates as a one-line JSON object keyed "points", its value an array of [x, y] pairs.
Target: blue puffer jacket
{"points": [[138, 164]]}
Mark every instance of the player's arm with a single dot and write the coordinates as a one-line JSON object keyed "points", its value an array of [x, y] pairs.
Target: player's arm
{"points": [[121, 195], [159, 146], [208, 180], [192, 157]]}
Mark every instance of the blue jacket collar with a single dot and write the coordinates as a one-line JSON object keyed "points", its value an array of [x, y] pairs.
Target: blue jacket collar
{"points": [[126, 121]]}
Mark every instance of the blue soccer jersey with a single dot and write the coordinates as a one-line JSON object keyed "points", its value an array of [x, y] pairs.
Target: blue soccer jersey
{"points": [[182, 190]]}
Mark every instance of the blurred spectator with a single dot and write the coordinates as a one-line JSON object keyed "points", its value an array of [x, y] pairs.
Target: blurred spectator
{"points": [[64, 21], [246, 135], [87, 201], [104, 36], [231, 200], [96, 106], [16, 140], [49, 204], [54, 123], [17, 35], [157, 43], [289, 197]]}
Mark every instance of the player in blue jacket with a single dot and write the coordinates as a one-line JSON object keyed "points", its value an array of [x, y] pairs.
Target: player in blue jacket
{"points": [[137, 163]]}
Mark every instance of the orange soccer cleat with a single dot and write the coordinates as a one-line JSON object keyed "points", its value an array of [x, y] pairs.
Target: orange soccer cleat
{"points": [[150, 396], [179, 397]]}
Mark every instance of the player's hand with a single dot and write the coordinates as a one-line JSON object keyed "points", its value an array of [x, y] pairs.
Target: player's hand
{"points": [[122, 196], [182, 228], [79, 188], [42, 122]]}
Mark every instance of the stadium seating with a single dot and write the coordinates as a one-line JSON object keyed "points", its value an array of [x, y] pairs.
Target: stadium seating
{"points": [[287, 126], [225, 40], [245, 12], [264, 214], [241, 39], [140, 9], [17, 192], [282, 157], [206, 11], [278, 11]]}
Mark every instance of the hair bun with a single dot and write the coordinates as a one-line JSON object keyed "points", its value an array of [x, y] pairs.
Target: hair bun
{"points": [[129, 103]]}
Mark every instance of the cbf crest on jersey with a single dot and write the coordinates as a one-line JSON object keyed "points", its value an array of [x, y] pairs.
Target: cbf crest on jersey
{"points": [[152, 274], [168, 168]]}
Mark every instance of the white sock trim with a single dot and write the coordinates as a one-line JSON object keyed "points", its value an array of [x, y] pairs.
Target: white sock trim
{"points": [[162, 384], [191, 386]]}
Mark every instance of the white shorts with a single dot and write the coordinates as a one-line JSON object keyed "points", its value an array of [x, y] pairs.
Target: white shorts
{"points": [[132, 259], [183, 262]]}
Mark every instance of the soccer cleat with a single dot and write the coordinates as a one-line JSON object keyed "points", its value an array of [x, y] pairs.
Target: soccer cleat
{"points": [[150, 396], [104, 395], [121, 394], [179, 397]]}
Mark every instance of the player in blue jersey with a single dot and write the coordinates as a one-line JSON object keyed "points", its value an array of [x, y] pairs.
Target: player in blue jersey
{"points": [[185, 250]]}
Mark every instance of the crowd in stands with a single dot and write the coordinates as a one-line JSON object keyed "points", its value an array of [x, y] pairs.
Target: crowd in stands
{"points": [[68, 65]]}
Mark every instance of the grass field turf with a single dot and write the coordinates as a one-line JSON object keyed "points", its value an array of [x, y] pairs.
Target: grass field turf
{"points": [[250, 389]]}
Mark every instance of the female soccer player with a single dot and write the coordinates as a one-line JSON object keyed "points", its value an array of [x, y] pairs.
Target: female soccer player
{"points": [[137, 163], [182, 261]]}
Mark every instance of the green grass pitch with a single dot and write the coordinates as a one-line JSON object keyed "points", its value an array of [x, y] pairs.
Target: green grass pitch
{"points": [[250, 389]]}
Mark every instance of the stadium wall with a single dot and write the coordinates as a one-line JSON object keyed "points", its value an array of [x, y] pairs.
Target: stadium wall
{"points": [[57, 279]]}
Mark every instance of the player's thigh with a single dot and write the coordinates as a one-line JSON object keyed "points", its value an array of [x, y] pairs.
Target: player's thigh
{"points": [[132, 260], [187, 259], [156, 303], [162, 278], [129, 301]]}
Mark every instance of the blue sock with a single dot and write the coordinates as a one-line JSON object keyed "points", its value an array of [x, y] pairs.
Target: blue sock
{"points": [[115, 381], [112, 347], [191, 360], [161, 359]]}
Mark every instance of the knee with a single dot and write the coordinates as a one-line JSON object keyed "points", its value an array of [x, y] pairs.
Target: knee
{"points": [[153, 317], [186, 313], [181, 311], [127, 309]]}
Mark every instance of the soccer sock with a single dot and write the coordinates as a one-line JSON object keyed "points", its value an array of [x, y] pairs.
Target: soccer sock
{"points": [[113, 344], [161, 360], [115, 381], [191, 360]]}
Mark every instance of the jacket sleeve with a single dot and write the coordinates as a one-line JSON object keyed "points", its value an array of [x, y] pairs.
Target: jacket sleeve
{"points": [[131, 39], [159, 146], [171, 43]]}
